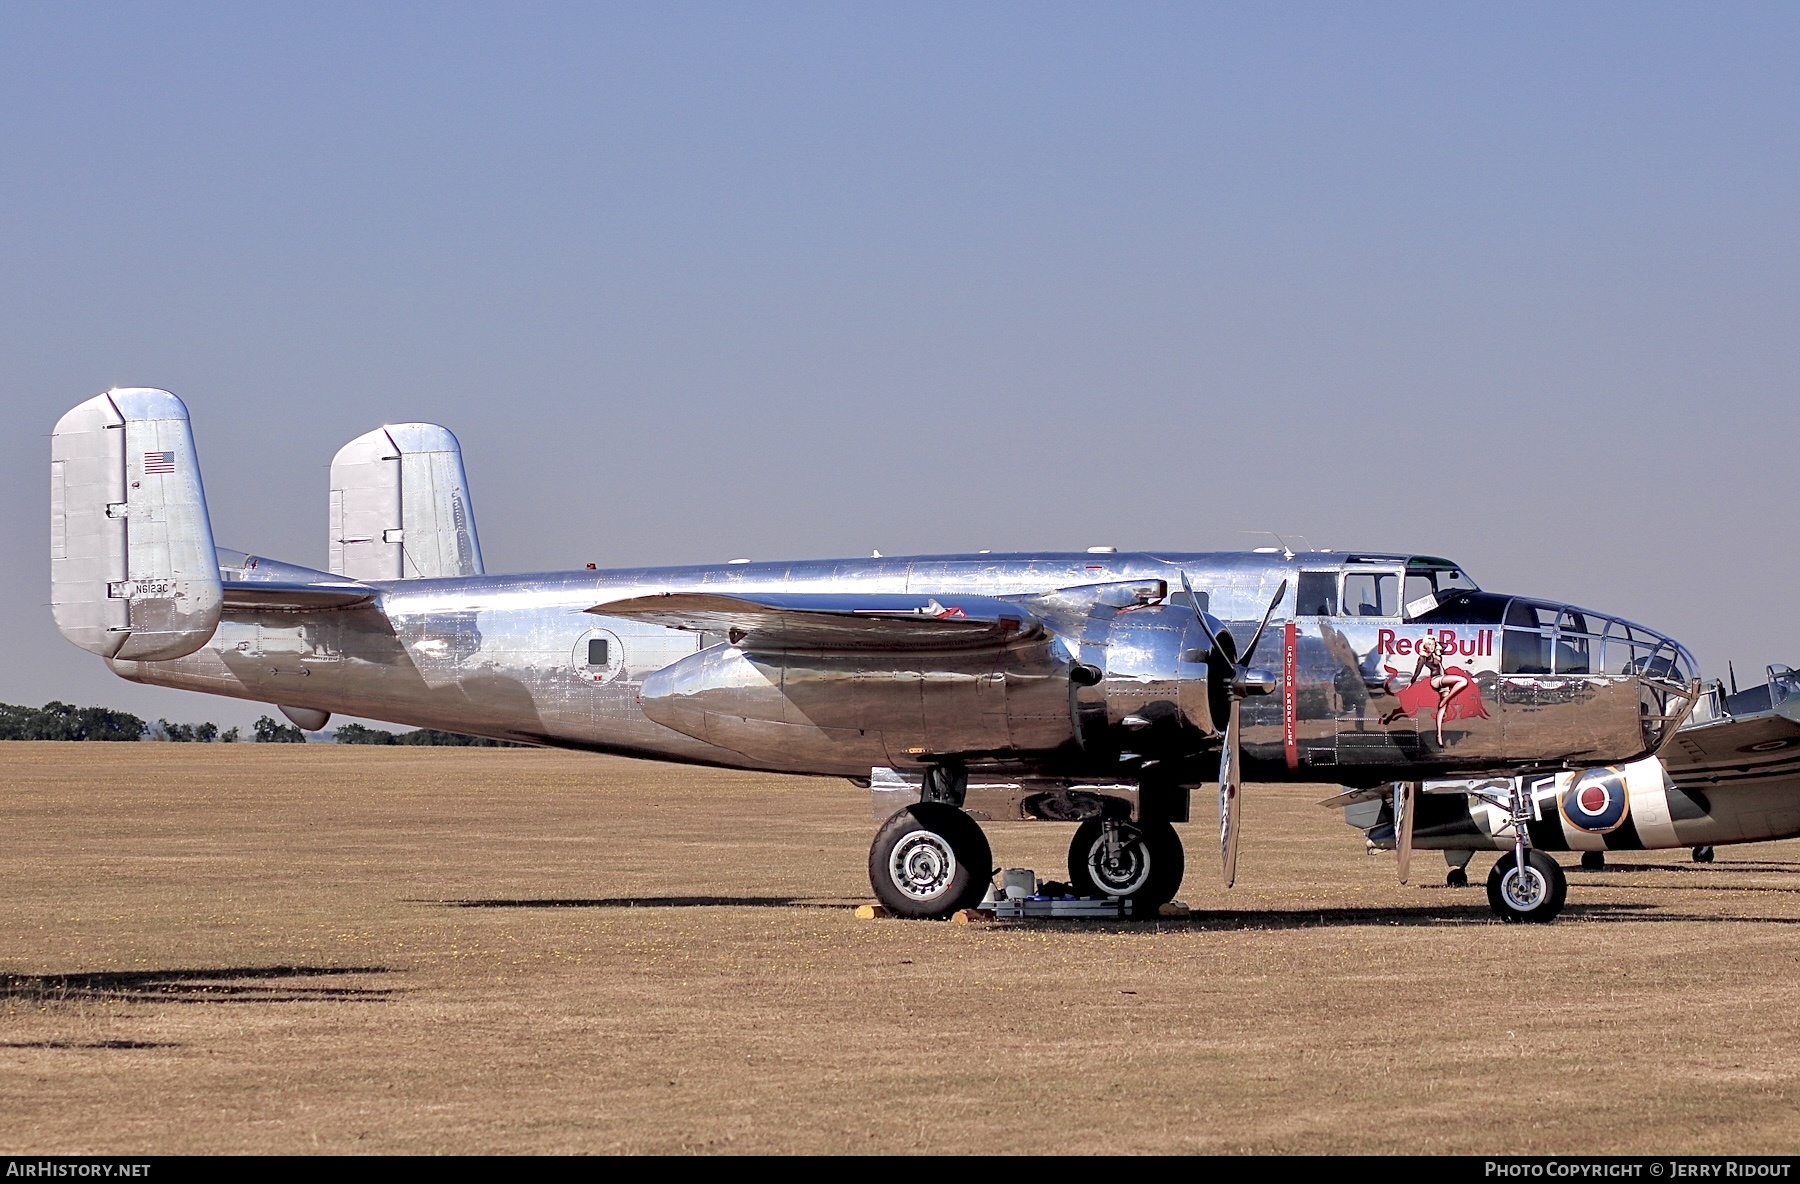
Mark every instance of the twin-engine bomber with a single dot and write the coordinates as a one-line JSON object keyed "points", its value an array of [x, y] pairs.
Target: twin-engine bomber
{"points": [[1095, 688]]}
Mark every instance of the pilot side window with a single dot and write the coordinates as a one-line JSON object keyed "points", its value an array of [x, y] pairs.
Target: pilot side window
{"points": [[1371, 594], [1317, 596]]}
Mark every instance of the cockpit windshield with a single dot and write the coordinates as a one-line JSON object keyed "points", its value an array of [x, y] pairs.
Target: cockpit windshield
{"points": [[1430, 582]]}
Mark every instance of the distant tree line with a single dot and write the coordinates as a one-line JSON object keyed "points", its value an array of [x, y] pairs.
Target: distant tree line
{"points": [[63, 721], [358, 734]]}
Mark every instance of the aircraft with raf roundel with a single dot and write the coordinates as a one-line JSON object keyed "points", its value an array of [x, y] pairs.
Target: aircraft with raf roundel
{"points": [[1731, 776], [1095, 688]]}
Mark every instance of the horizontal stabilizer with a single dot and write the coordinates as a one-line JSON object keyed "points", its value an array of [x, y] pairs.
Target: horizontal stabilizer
{"points": [[133, 572], [827, 621], [270, 596]]}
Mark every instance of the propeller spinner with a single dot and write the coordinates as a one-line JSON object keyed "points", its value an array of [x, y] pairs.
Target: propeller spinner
{"points": [[1244, 682]]}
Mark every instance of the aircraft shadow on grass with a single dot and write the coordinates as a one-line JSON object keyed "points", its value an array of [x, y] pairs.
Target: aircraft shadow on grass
{"points": [[1470, 914], [1703, 871], [654, 902], [230, 984]]}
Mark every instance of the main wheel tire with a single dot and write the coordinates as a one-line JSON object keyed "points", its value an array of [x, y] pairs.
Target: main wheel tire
{"points": [[1456, 877], [1147, 872], [1537, 895], [930, 860]]}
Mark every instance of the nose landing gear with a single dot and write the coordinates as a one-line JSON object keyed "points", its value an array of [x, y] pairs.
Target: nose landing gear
{"points": [[1535, 894], [1526, 884]]}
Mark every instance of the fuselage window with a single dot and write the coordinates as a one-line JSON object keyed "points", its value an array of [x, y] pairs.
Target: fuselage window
{"points": [[1368, 594], [597, 651], [1317, 596]]}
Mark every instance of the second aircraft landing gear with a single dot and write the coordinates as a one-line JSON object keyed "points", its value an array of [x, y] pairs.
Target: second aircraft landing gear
{"points": [[1139, 862], [1593, 861], [1703, 854]]}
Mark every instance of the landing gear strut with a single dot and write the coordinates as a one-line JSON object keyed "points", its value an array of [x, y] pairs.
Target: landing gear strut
{"points": [[1140, 862], [1526, 885]]}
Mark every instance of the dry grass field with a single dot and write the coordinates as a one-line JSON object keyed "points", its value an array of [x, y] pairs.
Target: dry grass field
{"points": [[270, 948]]}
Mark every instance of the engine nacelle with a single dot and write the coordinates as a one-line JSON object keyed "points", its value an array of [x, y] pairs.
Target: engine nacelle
{"points": [[848, 713], [1156, 691]]}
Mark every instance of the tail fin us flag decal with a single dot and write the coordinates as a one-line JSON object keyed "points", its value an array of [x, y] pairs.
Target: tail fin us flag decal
{"points": [[158, 462]]}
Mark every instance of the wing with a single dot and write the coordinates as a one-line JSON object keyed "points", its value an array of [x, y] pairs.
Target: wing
{"points": [[1739, 749], [827, 621], [268, 595]]}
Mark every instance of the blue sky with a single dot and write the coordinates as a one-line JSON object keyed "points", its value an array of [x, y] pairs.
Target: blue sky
{"points": [[1513, 283]]}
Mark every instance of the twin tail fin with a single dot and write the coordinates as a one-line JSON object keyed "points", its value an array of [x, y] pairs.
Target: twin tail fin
{"points": [[133, 571]]}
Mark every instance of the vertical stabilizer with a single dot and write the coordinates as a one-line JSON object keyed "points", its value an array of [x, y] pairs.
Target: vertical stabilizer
{"points": [[400, 506], [133, 573]]}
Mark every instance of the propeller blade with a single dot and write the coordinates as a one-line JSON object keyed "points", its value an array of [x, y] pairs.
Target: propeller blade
{"points": [[1406, 800], [1229, 799], [1244, 656]]}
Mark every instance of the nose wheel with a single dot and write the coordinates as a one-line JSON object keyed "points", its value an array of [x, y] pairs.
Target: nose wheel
{"points": [[928, 861], [1139, 862], [1532, 894]]}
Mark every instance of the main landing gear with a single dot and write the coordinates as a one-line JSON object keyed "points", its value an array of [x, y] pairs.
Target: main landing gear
{"points": [[931, 859], [1140, 862]]}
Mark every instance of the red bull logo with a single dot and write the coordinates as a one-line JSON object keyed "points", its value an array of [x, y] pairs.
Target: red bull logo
{"points": [[1478, 643]]}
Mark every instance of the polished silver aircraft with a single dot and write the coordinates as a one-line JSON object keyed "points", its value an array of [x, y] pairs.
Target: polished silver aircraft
{"points": [[1731, 776], [1095, 688]]}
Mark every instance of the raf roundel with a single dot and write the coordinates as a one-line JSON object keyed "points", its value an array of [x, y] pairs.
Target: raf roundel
{"points": [[1597, 802]]}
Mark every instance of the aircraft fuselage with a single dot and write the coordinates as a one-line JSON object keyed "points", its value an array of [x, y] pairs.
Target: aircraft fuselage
{"points": [[1466, 682]]}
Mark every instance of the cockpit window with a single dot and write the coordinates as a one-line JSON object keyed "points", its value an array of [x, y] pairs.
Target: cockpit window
{"points": [[1371, 594]]}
